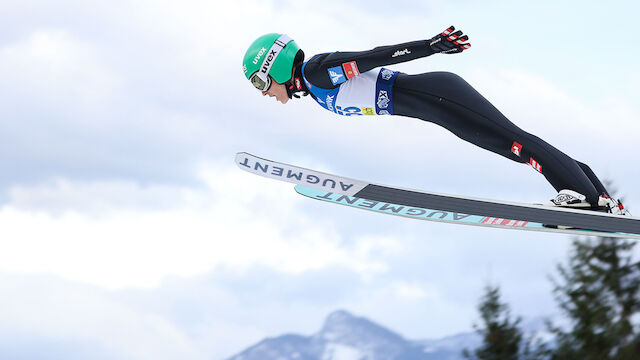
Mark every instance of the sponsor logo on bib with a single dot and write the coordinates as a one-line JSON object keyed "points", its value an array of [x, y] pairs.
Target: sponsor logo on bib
{"points": [[383, 99], [351, 69], [336, 75]]}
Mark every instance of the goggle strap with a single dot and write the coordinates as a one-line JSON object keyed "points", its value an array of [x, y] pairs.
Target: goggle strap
{"points": [[277, 46], [282, 41]]}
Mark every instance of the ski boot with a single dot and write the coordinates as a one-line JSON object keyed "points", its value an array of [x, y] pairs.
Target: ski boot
{"points": [[570, 199], [574, 200]]}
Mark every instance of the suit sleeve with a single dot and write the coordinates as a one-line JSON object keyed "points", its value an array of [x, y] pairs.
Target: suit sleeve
{"points": [[317, 70]]}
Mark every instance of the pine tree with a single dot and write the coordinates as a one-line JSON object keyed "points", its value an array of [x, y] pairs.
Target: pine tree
{"points": [[599, 293], [501, 336]]}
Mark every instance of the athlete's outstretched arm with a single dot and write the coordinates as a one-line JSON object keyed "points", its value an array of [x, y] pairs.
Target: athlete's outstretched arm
{"points": [[318, 68]]}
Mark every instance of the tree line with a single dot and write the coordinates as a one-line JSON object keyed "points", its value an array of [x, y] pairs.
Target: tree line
{"points": [[597, 291]]}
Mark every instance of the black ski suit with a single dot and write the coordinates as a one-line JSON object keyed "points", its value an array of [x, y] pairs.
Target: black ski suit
{"points": [[348, 83]]}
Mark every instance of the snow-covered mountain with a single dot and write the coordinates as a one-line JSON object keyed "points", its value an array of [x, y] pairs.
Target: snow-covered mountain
{"points": [[347, 337]]}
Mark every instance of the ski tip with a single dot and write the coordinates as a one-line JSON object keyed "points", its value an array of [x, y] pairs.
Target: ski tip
{"points": [[241, 156]]}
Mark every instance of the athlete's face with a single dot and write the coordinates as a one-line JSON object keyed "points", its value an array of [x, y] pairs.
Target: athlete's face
{"points": [[277, 90]]}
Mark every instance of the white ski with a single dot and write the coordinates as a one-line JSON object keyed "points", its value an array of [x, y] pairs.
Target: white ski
{"points": [[486, 212]]}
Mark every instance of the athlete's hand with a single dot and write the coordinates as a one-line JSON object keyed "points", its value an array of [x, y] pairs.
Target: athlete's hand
{"points": [[449, 42]]}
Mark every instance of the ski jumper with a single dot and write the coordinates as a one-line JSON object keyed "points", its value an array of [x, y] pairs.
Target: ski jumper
{"points": [[352, 84]]}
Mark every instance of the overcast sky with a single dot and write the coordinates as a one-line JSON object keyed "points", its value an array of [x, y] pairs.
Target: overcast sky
{"points": [[127, 232]]}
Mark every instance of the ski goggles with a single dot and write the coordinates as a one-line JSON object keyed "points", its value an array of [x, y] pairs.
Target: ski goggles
{"points": [[261, 79], [260, 83]]}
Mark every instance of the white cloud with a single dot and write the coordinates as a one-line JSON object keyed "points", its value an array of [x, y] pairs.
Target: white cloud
{"points": [[120, 234], [414, 291], [53, 69], [96, 198], [46, 317]]}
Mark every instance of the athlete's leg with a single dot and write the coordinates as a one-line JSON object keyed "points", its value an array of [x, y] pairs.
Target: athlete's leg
{"points": [[602, 190], [447, 100]]}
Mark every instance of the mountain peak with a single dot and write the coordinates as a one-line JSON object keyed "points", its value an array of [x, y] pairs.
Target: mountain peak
{"points": [[339, 316], [348, 337], [348, 329]]}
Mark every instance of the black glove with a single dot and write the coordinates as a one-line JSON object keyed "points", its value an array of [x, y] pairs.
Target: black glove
{"points": [[449, 42]]}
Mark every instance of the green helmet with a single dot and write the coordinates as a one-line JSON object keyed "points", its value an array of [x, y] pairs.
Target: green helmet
{"points": [[270, 55]]}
